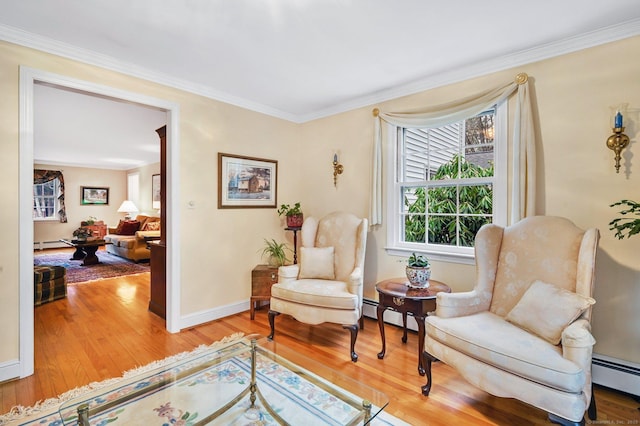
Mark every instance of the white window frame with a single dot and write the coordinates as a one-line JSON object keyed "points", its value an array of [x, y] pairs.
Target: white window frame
{"points": [[56, 200], [394, 197]]}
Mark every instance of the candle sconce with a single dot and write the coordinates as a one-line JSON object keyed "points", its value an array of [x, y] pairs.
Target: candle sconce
{"points": [[337, 169], [618, 140]]}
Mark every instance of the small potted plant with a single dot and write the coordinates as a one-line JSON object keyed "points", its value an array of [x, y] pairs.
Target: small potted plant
{"points": [[81, 234], [418, 271], [293, 214], [276, 252]]}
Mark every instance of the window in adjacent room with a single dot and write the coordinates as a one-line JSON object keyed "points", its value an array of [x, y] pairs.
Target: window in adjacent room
{"points": [[448, 182], [45, 200]]}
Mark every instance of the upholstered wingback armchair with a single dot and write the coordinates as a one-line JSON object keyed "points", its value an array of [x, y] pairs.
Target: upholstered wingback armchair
{"points": [[524, 331], [326, 286]]}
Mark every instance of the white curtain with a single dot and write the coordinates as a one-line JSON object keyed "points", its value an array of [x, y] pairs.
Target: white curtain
{"points": [[523, 149]]}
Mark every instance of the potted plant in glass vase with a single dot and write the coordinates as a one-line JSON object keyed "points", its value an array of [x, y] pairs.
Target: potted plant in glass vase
{"points": [[293, 214], [418, 271]]}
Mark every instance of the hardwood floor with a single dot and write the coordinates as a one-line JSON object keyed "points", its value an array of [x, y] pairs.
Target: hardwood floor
{"points": [[103, 328]]}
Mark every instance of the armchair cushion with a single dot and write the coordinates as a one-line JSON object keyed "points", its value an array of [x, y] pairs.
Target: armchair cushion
{"points": [[317, 293], [490, 339], [317, 262], [546, 310]]}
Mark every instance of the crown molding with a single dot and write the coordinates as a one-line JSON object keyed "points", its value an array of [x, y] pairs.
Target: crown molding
{"points": [[561, 47]]}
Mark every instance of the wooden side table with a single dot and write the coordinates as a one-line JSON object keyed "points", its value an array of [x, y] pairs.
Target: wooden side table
{"points": [[262, 278], [395, 294]]}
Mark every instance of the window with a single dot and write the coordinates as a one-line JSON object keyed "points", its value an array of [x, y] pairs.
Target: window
{"points": [[45, 200], [448, 182]]}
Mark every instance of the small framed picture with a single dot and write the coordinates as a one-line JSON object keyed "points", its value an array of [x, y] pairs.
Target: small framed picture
{"points": [[246, 182], [91, 195]]}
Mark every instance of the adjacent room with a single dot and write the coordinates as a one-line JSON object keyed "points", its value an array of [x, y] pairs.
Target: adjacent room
{"points": [[386, 213]]}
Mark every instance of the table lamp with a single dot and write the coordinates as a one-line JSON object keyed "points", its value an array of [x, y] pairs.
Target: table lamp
{"points": [[129, 208]]}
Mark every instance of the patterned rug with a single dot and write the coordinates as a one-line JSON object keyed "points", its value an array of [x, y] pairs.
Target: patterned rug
{"points": [[110, 266], [191, 397]]}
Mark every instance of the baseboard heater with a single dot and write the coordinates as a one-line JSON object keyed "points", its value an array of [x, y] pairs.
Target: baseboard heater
{"points": [[606, 371], [616, 374], [41, 245]]}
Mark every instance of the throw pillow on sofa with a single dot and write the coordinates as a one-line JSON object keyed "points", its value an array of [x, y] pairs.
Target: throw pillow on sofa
{"points": [[151, 226], [127, 227]]}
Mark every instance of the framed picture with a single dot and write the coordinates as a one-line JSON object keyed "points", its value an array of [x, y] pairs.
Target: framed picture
{"points": [[246, 182], [155, 192], [93, 195]]}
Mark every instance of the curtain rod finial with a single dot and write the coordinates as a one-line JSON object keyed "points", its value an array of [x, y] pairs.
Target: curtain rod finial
{"points": [[522, 78], [376, 112]]}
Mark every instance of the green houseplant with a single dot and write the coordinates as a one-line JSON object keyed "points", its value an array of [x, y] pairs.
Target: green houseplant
{"points": [[275, 251], [418, 271], [626, 226], [293, 214], [82, 234]]}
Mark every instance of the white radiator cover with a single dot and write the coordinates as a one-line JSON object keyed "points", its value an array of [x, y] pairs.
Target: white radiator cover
{"points": [[606, 371], [41, 245]]}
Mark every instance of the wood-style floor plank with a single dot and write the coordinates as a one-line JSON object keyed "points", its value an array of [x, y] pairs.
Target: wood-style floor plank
{"points": [[103, 328]]}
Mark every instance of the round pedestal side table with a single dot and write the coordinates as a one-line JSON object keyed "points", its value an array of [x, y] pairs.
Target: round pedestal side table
{"points": [[395, 294]]}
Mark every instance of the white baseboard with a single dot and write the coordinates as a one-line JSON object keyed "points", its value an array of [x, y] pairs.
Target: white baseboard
{"points": [[616, 374], [9, 370], [201, 317]]}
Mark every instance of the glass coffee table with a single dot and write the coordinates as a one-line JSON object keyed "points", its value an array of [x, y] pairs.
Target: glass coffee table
{"points": [[248, 381]]}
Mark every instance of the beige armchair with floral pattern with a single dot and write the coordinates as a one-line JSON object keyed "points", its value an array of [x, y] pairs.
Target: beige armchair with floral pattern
{"points": [[326, 286], [524, 331]]}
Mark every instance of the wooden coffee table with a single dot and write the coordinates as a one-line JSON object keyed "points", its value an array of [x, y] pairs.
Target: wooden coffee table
{"points": [[397, 295], [85, 250]]}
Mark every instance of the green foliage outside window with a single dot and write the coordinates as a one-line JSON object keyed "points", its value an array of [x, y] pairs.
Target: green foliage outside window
{"points": [[475, 207]]}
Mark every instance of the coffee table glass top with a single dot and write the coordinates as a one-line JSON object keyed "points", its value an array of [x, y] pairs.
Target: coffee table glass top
{"points": [[248, 380]]}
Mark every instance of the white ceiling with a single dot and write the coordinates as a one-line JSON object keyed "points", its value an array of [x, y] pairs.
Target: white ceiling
{"points": [[305, 59]]}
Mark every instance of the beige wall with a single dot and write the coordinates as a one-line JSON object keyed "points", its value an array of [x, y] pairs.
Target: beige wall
{"points": [[143, 203], [74, 179], [576, 177], [220, 247]]}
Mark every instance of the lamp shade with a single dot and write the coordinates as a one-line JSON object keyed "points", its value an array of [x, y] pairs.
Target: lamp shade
{"points": [[127, 207]]}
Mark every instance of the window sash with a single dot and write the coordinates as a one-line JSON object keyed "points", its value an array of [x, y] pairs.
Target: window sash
{"points": [[395, 201], [45, 200]]}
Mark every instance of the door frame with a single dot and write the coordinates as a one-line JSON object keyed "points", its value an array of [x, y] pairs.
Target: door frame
{"points": [[28, 78]]}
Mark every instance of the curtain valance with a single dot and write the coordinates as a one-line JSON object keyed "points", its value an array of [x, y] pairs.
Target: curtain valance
{"points": [[523, 149]]}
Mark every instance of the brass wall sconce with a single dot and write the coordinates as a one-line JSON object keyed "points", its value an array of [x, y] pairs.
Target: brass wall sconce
{"points": [[618, 140], [337, 169]]}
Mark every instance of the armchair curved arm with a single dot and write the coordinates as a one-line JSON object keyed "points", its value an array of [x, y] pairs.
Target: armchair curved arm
{"points": [[355, 281], [577, 345], [288, 273], [450, 305]]}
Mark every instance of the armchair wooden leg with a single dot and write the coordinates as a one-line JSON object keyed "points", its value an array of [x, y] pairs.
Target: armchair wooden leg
{"points": [[427, 359], [592, 412], [354, 335], [565, 422], [272, 323]]}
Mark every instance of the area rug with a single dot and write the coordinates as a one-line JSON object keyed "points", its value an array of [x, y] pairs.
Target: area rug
{"points": [[185, 404], [110, 266]]}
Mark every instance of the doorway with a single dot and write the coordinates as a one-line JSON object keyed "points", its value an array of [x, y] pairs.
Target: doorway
{"points": [[28, 78]]}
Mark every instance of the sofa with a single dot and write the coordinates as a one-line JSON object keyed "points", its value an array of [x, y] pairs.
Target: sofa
{"points": [[127, 240]]}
